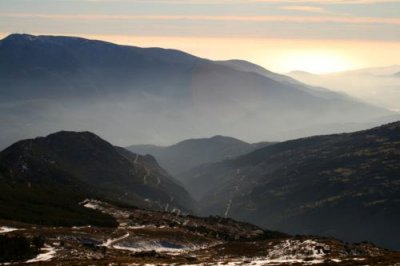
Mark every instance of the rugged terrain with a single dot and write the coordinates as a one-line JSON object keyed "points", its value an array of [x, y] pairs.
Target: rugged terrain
{"points": [[72, 198], [344, 185], [162, 238], [42, 180]]}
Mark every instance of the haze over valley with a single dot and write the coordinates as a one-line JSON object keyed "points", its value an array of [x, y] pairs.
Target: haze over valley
{"points": [[133, 95], [199, 132], [378, 86]]}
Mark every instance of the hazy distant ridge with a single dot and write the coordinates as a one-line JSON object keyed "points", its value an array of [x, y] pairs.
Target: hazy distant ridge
{"points": [[152, 95]]}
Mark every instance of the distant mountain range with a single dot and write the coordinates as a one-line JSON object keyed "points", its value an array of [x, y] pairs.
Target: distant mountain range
{"points": [[153, 95], [42, 180], [379, 86], [344, 185], [191, 153]]}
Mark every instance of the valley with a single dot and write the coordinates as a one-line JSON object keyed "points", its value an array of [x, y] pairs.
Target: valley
{"points": [[56, 186], [113, 154]]}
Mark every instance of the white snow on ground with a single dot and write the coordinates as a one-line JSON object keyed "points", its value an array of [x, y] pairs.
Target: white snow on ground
{"points": [[140, 226], [98, 205], [259, 262], [290, 251], [148, 226], [6, 229], [250, 261], [48, 254], [81, 227], [297, 249], [150, 264], [110, 242], [150, 245], [90, 204]]}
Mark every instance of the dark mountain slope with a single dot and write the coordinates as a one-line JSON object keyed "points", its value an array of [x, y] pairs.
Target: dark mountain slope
{"points": [[183, 156], [344, 185], [57, 67], [50, 82], [44, 179]]}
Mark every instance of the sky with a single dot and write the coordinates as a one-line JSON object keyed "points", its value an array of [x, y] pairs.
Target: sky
{"points": [[283, 36]]}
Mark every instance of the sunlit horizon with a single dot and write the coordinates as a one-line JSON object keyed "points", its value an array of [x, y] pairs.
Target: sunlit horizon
{"points": [[282, 36], [277, 55]]}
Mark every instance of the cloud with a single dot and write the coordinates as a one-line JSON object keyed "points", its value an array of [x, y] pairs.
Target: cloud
{"points": [[325, 2], [322, 2], [312, 9], [284, 19]]}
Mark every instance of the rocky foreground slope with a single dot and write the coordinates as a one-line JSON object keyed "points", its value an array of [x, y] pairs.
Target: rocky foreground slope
{"points": [[161, 238]]}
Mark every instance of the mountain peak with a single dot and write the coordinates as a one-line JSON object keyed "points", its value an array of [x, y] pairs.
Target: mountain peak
{"points": [[78, 165], [73, 134], [23, 38], [221, 137], [77, 140], [19, 37]]}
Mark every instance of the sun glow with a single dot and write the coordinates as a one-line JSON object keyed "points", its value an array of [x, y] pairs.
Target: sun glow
{"points": [[317, 61]]}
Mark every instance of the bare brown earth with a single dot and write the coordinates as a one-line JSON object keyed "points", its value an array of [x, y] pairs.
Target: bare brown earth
{"points": [[162, 238]]}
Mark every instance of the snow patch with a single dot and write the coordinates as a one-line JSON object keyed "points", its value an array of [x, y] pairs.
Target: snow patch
{"points": [[110, 242], [90, 205], [297, 249], [48, 254], [6, 229], [137, 227], [152, 245]]}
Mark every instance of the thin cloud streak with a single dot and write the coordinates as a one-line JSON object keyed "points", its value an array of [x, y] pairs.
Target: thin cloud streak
{"points": [[284, 19], [329, 1], [312, 9], [251, 1]]}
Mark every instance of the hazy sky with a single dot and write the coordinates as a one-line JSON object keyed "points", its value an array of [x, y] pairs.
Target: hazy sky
{"points": [[311, 35]]}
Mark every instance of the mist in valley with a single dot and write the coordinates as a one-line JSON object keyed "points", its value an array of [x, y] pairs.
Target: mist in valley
{"points": [[159, 96], [378, 86]]}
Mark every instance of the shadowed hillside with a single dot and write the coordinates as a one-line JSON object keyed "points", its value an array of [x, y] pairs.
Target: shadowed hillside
{"points": [[344, 185], [44, 179], [185, 155]]}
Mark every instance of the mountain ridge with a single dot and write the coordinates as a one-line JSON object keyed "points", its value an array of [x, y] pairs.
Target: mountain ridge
{"points": [[48, 83], [73, 166], [320, 185], [187, 154]]}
